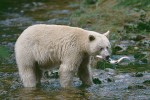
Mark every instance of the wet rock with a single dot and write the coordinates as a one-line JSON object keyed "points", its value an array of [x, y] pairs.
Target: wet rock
{"points": [[26, 5], [90, 1], [122, 78], [109, 80], [11, 45], [110, 71], [118, 47], [60, 21], [145, 60], [145, 43], [4, 35], [37, 4], [136, 87], [51, 74], [60, 12], [147, 82], [140, 55], [136, 48], [138, 74], [96, 81], [73, 5], [138, 38], [123, 46], [17, 22], [3, 92]]}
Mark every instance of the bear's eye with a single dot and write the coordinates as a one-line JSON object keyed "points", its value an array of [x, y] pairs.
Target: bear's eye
{"points": [[101, 49]]}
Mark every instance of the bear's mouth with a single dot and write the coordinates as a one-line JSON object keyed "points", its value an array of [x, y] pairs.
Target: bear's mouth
{"points": [[101, 57]]}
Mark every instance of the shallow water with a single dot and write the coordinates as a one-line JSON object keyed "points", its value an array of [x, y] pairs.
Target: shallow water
{"points": [[115, 85], [121, 82]]}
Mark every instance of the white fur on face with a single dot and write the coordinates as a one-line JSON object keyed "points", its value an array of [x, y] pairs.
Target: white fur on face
{"points": [[104, 53], [105, 47], [100, 46]]}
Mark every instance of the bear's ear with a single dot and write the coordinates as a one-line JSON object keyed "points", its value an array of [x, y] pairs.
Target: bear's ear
{"points": [[107, 34], [91, 37]]}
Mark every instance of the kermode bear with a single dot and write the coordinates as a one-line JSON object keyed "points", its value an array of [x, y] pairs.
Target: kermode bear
{"points": [[47, 46]]}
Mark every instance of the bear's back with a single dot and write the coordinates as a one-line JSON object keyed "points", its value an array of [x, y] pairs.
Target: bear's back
{"points": [[54, 32], [52, 39]]}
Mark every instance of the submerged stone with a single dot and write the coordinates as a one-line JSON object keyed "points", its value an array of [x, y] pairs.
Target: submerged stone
{"points": [[97, 81]]}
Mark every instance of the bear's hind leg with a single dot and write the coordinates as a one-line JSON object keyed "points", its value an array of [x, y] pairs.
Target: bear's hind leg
{"points": [[38, 73], [29, 75], [84, 72]]}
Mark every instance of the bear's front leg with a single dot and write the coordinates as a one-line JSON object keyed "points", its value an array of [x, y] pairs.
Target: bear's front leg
{"points": [[66, 75], [84, 72], [68, 68]]}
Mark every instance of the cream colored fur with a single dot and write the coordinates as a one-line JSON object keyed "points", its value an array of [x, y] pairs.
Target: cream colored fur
{"points": [[46, 46]]}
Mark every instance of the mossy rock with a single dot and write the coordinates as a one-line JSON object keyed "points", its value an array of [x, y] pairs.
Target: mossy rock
{"points": [[147, 82]]}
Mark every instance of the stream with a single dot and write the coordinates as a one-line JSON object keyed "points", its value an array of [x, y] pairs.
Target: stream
{"points": [[126, 81]]}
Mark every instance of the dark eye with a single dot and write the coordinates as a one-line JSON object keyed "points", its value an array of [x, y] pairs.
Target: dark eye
{"points": [[107, 47], [101, 49]]}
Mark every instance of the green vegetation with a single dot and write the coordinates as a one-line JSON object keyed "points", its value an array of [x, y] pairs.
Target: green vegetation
{"points": [[125, 19], [4, 53], [114, 15], [8, 68], [134, 68], [142, 4]]}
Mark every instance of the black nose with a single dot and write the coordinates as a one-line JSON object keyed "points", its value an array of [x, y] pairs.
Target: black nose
{"points": [[107, 57]]}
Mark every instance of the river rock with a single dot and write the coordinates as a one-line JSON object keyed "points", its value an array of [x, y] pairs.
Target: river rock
{"points": [[142, 57], [136, 87], [110, 71], [60, 12], [96, 81], [145, 43], [51, 74], [123, 45], [138, 75], [120, 48], [61, 21], [138, 37], [147, 82]]}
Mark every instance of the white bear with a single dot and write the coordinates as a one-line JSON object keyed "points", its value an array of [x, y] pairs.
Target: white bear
{"points": [[46, 46]]}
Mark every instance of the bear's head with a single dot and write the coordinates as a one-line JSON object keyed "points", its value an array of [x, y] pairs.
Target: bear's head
{"points": [[99, 44]]}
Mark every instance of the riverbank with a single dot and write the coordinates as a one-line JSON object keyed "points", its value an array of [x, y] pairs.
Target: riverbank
{"points": [[128, 22]]}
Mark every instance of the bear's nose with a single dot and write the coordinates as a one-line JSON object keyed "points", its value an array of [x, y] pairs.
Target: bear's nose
{"points": [[107, 57]]}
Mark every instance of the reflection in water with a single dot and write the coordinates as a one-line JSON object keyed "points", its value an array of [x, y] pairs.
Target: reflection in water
{"points": [[59, 94]]}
